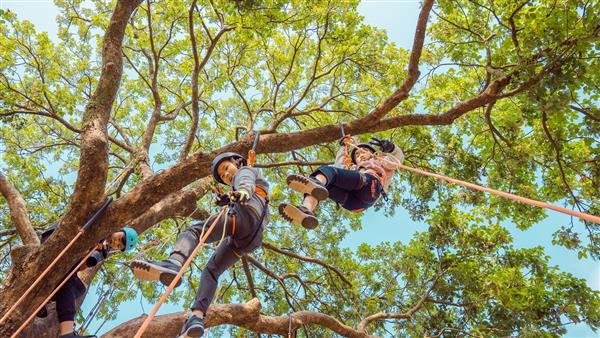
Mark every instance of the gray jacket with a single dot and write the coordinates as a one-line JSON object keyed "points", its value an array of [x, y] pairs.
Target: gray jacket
{"points": [[248, 179]]}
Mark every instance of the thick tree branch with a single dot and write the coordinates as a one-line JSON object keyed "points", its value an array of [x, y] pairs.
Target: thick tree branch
{"points": [[243, 315], [18, 212], [413, 69], [179, 204]]}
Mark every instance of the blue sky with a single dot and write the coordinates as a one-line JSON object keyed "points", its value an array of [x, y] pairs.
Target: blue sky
{"points": [[398, 18]]}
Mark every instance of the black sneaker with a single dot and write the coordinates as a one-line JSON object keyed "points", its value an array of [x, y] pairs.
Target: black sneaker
{"points": [[193, 327], [307, 185], [73, 335], [164, 271], [298, 215]]}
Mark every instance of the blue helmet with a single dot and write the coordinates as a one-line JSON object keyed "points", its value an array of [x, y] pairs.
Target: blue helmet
{"points": [[131, 238]]}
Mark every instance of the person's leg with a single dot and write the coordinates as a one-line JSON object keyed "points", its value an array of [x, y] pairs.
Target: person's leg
{"points": [[359, 200], [66, 307], [166, 270], [223, 258], [188, 240]]}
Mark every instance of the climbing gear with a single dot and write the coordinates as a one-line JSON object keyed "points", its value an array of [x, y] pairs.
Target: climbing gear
{"points": [[222, 200], [299, 215], [361, 145], [345, 141], [262, 193], [84, 228], [175, 280], [238, 196], [43, 304], [385, 146], [252, 152], [309, 186], [73, 335], [131, 238], [223, 157], [193, 327], [164, 271], [581, 215]]}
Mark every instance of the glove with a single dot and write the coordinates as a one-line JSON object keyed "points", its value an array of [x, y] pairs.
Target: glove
{"points": [[238, 196], [222, 200], [386, 146]]}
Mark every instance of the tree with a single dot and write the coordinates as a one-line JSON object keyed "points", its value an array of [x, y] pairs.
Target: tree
{"points": [[502, 94]]}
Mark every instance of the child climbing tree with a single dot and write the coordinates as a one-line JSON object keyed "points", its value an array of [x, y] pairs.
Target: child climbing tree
{"points": [[140, 96]]}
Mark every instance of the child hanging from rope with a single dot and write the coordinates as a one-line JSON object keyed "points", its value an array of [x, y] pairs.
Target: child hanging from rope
{"points": [[355, 188], [66, 297], [242, 226]]}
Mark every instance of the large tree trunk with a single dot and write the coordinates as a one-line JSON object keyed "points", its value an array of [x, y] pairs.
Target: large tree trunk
{"points": [[28, 262]]}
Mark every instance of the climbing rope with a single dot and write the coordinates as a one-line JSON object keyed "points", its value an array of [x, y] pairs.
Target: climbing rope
{"points": [[35, 312], [252, 152], [346, 141], [171, 286], [84, 228], [532, 202]]}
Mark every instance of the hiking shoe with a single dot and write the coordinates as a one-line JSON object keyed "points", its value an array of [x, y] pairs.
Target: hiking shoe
{"points": [[298, 215], [193, 327], [73, 335], [164, 271], [307, 185]]}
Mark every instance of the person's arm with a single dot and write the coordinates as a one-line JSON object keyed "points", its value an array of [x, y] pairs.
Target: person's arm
{"points": [[245, 180], [100, 253]]}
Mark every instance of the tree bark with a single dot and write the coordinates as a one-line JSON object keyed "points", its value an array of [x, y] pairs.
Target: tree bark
{"points": [[18, 212], [243, 315]]}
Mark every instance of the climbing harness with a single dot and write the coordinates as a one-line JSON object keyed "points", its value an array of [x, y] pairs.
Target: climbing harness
{"points": [[581, 215], [83, 229], [175, 280], [346, 141], [252, 152]]}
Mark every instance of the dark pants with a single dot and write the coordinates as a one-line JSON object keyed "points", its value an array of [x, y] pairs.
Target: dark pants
{"points": [[66, 298], [353, 190], [245, 238]]}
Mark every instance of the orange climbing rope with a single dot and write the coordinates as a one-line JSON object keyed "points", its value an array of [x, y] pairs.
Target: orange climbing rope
{"points": [[346, 141], [74, 271], [581, 215], [57, 258], [171, 286]]}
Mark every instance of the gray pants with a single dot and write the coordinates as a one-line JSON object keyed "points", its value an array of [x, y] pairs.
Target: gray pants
{"points": [[245, 238]]}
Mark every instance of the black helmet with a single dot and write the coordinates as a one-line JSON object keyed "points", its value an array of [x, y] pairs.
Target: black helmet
{"points": [[362, 145], [222, 157]]}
